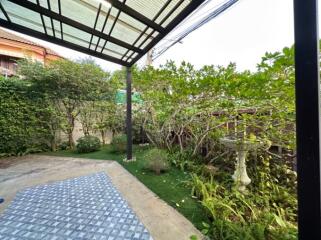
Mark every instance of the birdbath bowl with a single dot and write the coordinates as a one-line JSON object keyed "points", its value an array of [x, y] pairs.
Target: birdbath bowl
{"points": [[241, 147]]}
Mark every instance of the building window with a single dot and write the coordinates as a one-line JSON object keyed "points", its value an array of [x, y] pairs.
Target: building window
{"points": [[4, 62]]}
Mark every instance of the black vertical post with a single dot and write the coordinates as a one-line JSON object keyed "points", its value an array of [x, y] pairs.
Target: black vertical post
{"points": [[129, 113], [307, 118]]}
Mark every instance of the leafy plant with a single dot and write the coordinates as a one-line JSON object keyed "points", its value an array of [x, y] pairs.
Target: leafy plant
{"points": [[24, 118], [88, 144], [119, 143], [64, 145], [182, 160], [236, 216], [188, 110], [70, 86], [156, 160]]}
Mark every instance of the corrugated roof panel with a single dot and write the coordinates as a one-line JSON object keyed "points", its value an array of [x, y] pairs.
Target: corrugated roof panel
{"points": [[120, 31]]}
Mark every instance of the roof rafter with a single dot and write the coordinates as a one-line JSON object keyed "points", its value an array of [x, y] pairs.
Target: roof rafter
{"points": [[144, 32], [42, 20], [192, 6], [4, 12], [73, 23], [109, 15], [134, 14], [36, 34], [121, 33], [61, 29], [103, 28], [51, 20], [67, 35], [96, 20], [112, 28]]}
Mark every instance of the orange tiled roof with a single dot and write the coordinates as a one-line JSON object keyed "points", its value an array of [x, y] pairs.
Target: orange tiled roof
{"points": [[10, 36]]}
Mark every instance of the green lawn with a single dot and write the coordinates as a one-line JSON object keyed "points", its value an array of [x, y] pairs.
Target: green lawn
{"points": [[170, 186]]}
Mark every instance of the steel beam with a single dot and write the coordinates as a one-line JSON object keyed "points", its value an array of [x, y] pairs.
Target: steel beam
{"points": [[75, 24], [4, 12], [146, 28], [61, 42], [307, 87], [134, 14], [179, 18]]}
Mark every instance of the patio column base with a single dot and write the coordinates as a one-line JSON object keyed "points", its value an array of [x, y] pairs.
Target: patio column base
{"points": [[133, 159]]}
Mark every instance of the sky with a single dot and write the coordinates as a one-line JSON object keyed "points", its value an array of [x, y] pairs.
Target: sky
{"points": [[241, 35]]}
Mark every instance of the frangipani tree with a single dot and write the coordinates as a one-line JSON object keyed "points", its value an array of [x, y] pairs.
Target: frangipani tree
{"points": [[69, 85]]}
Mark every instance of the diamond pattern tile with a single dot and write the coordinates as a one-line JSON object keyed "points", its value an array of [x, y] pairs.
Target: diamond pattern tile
{"points": [[87, 207]]}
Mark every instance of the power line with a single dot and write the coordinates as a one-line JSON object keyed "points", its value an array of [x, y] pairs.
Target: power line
{"points": [[211, 14]]}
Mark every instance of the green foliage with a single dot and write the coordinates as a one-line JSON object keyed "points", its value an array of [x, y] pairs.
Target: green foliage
{"points": [[23, 119], [70, 86], [268, 212], [156, 160], [193, 108], [63, 146], [188, 110], [119, 143], [109, 116], [50, 99], [88, 144], [182, 160]]}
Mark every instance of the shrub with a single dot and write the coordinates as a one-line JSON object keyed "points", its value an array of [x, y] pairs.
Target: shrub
{"points": [[64, 145], [183, 160], [139, 135], [256, 216], [119, 143], [88, 144], [24, 115], [156, 160]]}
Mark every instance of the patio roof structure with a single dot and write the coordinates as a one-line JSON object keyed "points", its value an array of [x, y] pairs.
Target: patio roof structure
{"points": [[119, 31], [122, 31]]}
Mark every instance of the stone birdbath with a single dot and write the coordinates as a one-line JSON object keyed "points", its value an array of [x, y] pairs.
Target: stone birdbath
{"points": [[241, 147]]}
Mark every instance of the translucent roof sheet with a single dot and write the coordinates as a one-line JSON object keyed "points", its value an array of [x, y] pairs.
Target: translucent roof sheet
{"points": [[120, 31]]}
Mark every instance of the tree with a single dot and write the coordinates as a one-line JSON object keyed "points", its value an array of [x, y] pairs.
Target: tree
{"points": [[24, 114], [69, 85]]}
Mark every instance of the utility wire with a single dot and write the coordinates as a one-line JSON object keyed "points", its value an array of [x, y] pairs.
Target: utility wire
{"points": [[213, 13]]}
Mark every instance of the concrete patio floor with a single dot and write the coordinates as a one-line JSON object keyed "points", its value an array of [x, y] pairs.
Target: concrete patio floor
{"points": [[161, 220]]}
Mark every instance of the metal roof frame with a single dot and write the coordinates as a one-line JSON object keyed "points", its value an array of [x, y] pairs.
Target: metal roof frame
{"points": [[134, 51]]}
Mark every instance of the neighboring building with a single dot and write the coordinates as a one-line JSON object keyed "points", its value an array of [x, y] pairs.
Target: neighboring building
{"points": [[14, 47]]}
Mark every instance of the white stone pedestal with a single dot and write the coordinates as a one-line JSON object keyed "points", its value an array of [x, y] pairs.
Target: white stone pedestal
{"points": [[240, 174]]}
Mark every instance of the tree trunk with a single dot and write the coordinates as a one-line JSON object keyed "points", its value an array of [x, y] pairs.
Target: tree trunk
{"points": [[103, 137], [71, 122], [53, 145], [71, 140], [86, 132]]}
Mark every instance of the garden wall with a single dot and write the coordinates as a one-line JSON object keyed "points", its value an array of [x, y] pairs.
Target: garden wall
{"points": [[78, 133]]}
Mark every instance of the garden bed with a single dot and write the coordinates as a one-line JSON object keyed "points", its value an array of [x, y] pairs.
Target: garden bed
{"points": [[170, 186]]}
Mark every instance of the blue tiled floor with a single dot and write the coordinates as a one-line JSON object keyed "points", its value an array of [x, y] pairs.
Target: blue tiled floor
{"points": [[87, 207]]}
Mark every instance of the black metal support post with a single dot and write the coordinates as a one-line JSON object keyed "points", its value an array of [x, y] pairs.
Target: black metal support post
{"points": [[129, 114], [308, 118]]}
